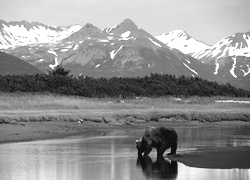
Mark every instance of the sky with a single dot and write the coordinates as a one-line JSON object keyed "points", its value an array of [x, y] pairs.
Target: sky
{"points": [[206, 20]]}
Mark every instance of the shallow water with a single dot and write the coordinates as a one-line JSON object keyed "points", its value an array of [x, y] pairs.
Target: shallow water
{"points": [[114, 157]]}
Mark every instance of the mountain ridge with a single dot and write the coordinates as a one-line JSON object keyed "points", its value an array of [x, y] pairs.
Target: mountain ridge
{"points": [[21, 33], [128, 50], [122, 50]]}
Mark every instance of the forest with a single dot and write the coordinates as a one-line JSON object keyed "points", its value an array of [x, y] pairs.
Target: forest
{"points": [[59, 81]]}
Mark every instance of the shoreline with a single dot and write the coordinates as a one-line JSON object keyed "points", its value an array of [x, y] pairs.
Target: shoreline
{"points": [[26, 118], [45, 130], [29, 125], [22, 129], [216, 158]]}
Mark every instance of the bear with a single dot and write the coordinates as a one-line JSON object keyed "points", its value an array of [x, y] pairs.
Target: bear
{"points": [[160, 138]]}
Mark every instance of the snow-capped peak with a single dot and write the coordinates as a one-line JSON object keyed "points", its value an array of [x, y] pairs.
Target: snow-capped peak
{"points": [[180, 40], [125, 27], [235, 45], [24, 33], [169, 36]]}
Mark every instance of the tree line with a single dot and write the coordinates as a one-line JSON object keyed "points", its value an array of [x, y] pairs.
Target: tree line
{"points": [[155, 85]]}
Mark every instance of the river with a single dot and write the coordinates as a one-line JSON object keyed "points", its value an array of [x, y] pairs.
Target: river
{"points": [[113, 156]]}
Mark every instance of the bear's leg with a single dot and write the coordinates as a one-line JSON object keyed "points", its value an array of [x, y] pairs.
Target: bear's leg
{"points": [[173, 149], [161, 150], [148, 150]]}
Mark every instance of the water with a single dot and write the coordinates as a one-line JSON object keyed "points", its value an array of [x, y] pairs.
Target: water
{"points": [[114, 157]]}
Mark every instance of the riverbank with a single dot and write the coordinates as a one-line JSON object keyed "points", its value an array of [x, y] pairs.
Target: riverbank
{"points": [[214, 157], [41, 116], [18, 108], [37, 117], [31, 131]]}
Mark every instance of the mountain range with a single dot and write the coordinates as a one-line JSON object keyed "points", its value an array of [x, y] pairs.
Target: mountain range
{"points": [[127, 50]]}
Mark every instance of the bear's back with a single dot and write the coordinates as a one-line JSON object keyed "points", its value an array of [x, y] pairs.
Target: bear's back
{"points": [[164, 133]]}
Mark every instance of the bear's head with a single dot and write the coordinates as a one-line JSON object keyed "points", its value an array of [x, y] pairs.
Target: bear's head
{"points": [[138, 143], [140, 147]]}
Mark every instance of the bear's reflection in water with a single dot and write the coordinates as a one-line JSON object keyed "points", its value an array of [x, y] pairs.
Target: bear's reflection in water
{"points": [[161, 168]]}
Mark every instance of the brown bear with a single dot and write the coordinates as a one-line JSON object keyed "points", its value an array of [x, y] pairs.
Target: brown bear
{"points": [[160, 138]]}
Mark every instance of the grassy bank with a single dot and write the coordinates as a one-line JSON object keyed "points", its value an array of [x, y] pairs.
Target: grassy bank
{"points": [[18, 107]]}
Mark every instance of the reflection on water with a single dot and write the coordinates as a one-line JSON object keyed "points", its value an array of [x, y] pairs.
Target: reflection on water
{"points": [[114, 157], [161, 168]]}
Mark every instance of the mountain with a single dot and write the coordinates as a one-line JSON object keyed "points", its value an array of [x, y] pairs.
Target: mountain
{"points": [[86, 32], [23, 33], [180, 40], [228, 59], [10, 65], [123, 50], [235, 45], [127, 50]]}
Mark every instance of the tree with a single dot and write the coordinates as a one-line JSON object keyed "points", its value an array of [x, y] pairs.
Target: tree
{"points": [[59, 71]]}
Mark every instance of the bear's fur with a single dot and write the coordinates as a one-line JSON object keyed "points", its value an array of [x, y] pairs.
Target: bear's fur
{"points": [[160, 138]]}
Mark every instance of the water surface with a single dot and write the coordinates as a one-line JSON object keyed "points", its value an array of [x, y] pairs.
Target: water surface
{"points": [[114, 157]]}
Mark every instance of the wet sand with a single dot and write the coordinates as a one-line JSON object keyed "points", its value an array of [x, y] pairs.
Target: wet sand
{"points": [[217, 158], [229, 157]]}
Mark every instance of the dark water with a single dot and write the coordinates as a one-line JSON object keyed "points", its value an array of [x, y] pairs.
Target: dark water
{"points": [[114, 157]]}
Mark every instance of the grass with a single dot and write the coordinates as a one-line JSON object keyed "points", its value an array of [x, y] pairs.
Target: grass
{"points": [[20, 107], [21, 101]]}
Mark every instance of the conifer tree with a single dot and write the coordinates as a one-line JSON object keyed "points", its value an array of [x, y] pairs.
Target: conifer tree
{"points": [[59, 71]]}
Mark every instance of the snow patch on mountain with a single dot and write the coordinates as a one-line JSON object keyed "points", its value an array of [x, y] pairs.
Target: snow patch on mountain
{"points": [[243, 52], [20, 34], [52, 66], [108, 30], [64, 50], [76, 47], [103, 40], [246, 72], [113, 53], [190, 69], [110, 37], [52, 52], [187, 61], [126, 34], [233, 68], [157, 44], [180, 40], [217, 66]]}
